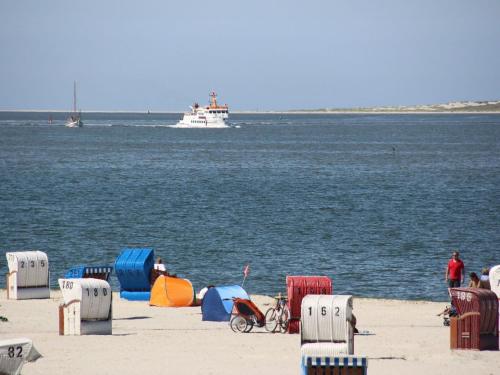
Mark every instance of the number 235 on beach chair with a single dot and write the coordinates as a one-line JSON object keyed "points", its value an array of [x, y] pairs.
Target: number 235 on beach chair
{"points": [[28, 276], [327, 336], [86, 308]]}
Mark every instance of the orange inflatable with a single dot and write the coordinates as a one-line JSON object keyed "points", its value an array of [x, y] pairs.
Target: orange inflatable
{"points": [[171, 292]]}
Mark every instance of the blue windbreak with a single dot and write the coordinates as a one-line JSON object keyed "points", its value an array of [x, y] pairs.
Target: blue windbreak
{"points": [[217, 303], [226, 294]]}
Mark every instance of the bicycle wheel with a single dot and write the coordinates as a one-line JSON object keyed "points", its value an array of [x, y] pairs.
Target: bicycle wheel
{"points": [[238, 324], [271, 320], [284, 319], [250, 324], [233, 326]]}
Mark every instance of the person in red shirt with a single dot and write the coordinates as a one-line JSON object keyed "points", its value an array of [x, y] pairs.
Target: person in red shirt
{"points": [[455, 271]]}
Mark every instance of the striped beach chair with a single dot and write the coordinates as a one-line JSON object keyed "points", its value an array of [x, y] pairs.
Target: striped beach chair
{"points": [[94, 272], [334, 365]]}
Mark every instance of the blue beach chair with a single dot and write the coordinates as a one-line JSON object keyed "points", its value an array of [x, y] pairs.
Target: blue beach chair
{"points": [[133, 270]]}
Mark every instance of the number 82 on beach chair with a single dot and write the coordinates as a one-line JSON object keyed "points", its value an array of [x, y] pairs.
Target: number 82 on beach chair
{"points": [[14, 353]]}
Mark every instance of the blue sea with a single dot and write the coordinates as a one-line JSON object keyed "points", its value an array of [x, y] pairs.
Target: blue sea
{"points": [[376, 202]]}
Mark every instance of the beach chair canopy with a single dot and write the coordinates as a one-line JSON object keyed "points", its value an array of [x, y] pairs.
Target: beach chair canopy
{"points": [[171, 292], [300, 286], [31, 268], [133, 268], [476, 326], [218, 302], [93, 296], [326, 318], [495, 280]]}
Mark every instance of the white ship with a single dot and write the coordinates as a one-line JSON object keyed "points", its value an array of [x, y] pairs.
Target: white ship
{"points": [[211, 116]]}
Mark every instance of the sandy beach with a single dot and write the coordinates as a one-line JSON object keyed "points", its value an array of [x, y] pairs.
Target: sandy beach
{"points": [[403, 337]]}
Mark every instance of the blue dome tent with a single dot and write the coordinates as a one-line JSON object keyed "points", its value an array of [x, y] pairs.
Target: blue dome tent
{"points": [[217, 303]]}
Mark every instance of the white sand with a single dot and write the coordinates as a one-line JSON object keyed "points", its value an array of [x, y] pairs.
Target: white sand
{"points": [[407, 338]]}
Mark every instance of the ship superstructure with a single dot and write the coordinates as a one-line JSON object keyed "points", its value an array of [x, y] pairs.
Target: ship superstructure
{"points": [[211, 116]]}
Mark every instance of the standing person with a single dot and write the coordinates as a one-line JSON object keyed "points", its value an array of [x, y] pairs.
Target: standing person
{"points": [[455, 271]]}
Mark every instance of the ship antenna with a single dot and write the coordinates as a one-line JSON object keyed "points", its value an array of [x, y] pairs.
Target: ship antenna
{"points": [[74, 96], [213, 99]]}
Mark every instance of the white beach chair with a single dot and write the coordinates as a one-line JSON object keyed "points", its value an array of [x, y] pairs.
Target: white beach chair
{"points": [[14, 353], [28, 276], [327, 336], [495, 280], [326, 323], [86, 308], [494, 277]]}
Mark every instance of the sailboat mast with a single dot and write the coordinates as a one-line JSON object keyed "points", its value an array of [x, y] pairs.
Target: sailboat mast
{"points": [[74, 97]]}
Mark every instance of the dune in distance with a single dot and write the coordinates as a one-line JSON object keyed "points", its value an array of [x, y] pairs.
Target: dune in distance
{"points": [[492, 106]]}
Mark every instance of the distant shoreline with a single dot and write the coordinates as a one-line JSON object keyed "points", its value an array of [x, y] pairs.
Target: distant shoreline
{"points": [[459, 107]]}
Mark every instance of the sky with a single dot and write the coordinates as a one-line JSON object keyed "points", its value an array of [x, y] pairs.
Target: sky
{"points": [[162, 55]]}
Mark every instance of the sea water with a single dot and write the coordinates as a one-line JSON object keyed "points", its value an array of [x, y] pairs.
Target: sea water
{"points": [[376, 202]]}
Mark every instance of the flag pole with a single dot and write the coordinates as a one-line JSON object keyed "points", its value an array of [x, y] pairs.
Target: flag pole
{"points": [[246, 271]]}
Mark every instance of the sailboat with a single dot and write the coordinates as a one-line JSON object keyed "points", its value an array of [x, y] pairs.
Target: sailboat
{"points": [[74, 120]]}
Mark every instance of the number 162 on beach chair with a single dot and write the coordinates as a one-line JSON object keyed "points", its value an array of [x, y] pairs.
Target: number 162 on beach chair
{"points": [[327, 336]]}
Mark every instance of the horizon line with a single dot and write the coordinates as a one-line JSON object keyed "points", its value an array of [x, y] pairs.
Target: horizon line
{"points": [[278, 112]]}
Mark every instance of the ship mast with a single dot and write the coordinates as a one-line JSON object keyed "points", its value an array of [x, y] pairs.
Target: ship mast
{"points": [[213, 99], [74, 96]]}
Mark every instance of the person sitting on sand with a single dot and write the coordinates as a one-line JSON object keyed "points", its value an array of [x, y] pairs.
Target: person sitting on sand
{"points": [[447, 313], [474, 281], [159, 265], [158, 270], [485, 278]]}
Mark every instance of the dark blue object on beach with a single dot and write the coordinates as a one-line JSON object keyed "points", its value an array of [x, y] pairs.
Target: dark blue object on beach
{"points": [[95, 272], [217, 302], [133, 268]]}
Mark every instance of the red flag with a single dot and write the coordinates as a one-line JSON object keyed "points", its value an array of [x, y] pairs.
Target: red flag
{"points": [[246, 270]]}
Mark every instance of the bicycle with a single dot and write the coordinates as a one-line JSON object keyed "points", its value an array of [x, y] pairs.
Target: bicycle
{"points": [[278, 317]]}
